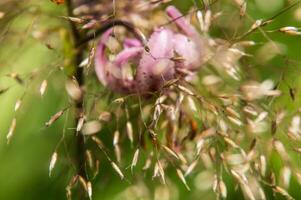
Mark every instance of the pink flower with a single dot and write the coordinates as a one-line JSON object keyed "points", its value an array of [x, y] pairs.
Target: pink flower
{"points": [[155, 66], [188, 46], [112, 74]]}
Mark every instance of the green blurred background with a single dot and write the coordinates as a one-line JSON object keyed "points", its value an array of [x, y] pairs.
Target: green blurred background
{"points": [[24, 162]]}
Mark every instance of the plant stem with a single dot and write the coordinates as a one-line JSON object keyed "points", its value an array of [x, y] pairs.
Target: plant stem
{"points": [[78, 56], [112, 23]]}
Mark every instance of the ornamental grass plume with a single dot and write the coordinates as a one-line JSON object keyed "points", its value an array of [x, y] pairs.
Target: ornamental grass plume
{"points": [[169, 93]]}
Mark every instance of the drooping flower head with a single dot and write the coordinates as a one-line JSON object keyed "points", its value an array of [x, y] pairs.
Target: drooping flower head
{"points": [[155, 65]]}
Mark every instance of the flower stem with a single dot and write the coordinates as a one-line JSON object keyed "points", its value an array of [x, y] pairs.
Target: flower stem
{"points": [[78, 56], [110, 24]]}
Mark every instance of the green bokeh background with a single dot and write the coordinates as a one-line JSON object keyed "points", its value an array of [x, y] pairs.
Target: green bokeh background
{"points": [[24, 162]]}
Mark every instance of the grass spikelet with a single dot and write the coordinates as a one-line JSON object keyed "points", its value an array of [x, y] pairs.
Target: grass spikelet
{"points": [[191, 167], [279, 147], [185, 90], [83, 183], [182, 178], [222, 189], [263, 165], [18, 104], [52, 162], [200, 19], [43, 87], [283, 192], [290, 30], [73, 89], [91, 127], [80, 123], [171, 152], [89, 189], [129, 131], [148, 162], [135, 159], [89, 158], [74, 19], [117, 169], [105, 116], [117, 152], [54, 118], [161, 171], [243, 9], [11, 130], [16, 77], [116, 137], [285, 175], [119, 100]]}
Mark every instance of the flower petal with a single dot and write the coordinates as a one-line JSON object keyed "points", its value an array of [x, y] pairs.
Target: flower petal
{"points": [[100, 58], [180, 21], [113, 74], [129, 42], [156, 66], [189, 50]]}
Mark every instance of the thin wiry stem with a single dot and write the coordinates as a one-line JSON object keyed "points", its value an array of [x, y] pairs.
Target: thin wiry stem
{"points": [[106, 26], [269, 20]]}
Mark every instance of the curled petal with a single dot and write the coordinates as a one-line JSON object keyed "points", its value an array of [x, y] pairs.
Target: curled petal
{"points": [[119, 76], [125, 55], [180, 21], [129, 42], [124, 60], [100, 58], [113, 74]]}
